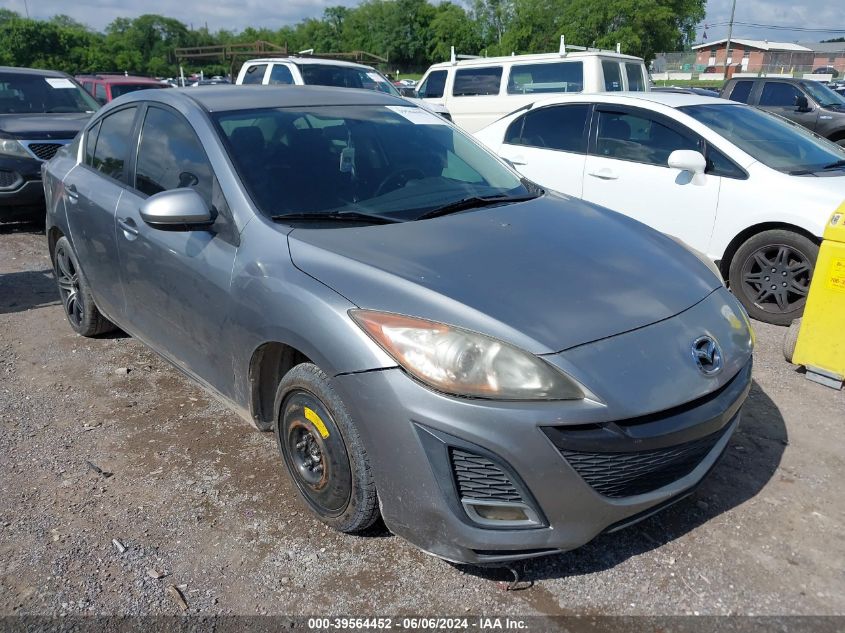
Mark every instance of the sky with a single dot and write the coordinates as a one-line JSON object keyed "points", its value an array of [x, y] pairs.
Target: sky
{"points": [[275, 13]]}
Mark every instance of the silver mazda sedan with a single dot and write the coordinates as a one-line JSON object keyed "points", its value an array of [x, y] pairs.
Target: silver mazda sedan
{"points": [[497, 371]]}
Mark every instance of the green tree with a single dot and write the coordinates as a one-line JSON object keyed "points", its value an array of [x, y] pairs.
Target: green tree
{"points": [[452, 26]]}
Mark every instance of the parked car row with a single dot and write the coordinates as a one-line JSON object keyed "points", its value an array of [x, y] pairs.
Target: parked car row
{"points": [[347, 269]]}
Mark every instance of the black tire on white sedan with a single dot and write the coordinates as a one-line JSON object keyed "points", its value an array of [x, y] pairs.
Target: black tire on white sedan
{"points": [[770, 274]]}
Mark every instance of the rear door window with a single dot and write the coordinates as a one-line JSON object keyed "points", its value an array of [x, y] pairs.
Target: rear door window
{"points": [[280, 74], [434, 85], [111, 151], [634, 74], [100, 93], [741, 91], [471, 82], [254, 74], [779, 94], [90, 144], [539, 78], [612, 75], [560, 128]]}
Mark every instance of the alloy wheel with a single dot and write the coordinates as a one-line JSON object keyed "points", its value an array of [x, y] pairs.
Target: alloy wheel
{"points": [[777, 277], [68, 278]]}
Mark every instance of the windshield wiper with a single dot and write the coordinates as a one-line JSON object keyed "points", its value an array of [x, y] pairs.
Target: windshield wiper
{"points": [[335, 216], [473, 202]]}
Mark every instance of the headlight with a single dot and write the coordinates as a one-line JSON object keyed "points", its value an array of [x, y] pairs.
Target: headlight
{"points": [[11, 147], [463, 363]]}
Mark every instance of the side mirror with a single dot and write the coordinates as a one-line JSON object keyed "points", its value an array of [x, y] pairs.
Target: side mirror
{"points": [[688, 160], [802, 104], [176, 210]]}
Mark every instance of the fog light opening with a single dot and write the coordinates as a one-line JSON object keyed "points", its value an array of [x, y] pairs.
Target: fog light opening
{"points": [[501, 513], [491, 513]]}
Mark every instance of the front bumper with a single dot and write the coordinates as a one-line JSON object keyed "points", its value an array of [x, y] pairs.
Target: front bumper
{"points": [[21, 190], [582, 467]]}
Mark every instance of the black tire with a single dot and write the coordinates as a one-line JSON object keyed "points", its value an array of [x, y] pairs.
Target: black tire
{"points": [[323, 451], [79, 306], [770, 275], [790, 340]]}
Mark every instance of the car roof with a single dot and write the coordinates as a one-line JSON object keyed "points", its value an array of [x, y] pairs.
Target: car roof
{"points": [[31, 71], [119, 79], [229, 97], [301, 61], [539, 57], [670, 99]]}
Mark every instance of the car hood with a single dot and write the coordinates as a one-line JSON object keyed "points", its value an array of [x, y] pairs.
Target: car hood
{"points": [[43, 126], [545, 275]]}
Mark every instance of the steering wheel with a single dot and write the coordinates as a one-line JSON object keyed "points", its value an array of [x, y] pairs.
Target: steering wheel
{"points": [[407, 172]]}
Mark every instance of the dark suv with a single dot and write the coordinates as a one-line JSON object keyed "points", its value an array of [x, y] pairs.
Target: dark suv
{"points": [[40, 111], [807, 102]]}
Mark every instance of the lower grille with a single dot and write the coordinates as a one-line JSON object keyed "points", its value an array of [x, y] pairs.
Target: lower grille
{"points": [[8, 179], [44, 151], [479, 478], [627, 474]]}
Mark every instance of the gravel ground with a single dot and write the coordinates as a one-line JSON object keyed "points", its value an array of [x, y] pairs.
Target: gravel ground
{"points": [[197, 496]]}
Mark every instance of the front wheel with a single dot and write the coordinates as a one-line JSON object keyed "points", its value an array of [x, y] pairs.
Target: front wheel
{"points": [[770, 275], [323, 451]]}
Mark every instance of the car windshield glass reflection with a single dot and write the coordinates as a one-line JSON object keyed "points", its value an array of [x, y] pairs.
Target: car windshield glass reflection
{"points": [[30, 94], [397, 162], [775, 142]]}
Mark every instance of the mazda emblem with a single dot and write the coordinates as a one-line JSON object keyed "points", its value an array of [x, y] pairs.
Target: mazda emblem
{"points": [[707, 355]]}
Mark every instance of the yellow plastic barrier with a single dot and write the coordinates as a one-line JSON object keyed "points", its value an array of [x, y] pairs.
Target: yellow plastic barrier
{"points": [[820, 344]]}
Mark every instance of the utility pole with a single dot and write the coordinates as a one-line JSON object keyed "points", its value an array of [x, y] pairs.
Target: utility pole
{"points": [[26, 6], [730, 33]]}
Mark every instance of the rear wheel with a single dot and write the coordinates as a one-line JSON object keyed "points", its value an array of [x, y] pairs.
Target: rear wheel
{"points": [[770, 274], [79, 306], [323, 451]]}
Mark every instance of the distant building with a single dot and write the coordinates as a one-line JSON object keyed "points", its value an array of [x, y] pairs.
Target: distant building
{"points": [[753, 56], [828, 54]]}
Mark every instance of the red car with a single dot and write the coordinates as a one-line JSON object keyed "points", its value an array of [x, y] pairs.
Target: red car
{"points": [[105, 87]]}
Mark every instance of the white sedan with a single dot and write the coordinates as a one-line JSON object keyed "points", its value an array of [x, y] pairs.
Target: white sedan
{"points": [[750, 190]]}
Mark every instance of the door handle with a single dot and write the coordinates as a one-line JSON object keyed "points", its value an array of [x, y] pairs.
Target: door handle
{"points": [[72, 193], [604, 174], [128, 226]]}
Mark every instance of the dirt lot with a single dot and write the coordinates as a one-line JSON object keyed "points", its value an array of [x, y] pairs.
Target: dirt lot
{"points": [[196, 493]]}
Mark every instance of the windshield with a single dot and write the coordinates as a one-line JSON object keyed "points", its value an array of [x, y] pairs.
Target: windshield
{"points": [[823, 95], [122, 89], [28, 94], [394, 161], [775, 142], [346, 77]]}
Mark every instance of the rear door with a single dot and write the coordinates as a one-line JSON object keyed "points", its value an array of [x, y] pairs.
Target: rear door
{"points": [[549, 146], [93, 189], [177, 282], [779, 97], [626, 170]]}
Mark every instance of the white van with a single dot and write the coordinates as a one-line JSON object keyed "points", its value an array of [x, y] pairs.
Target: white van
{"points": [[316, 71], [480, 90]]}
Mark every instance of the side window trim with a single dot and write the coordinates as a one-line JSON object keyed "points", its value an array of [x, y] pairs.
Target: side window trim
{"points": [[133, 139], [657, 117]]}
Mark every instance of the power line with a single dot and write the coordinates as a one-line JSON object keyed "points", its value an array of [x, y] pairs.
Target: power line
{"points": [[774, 27]]}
